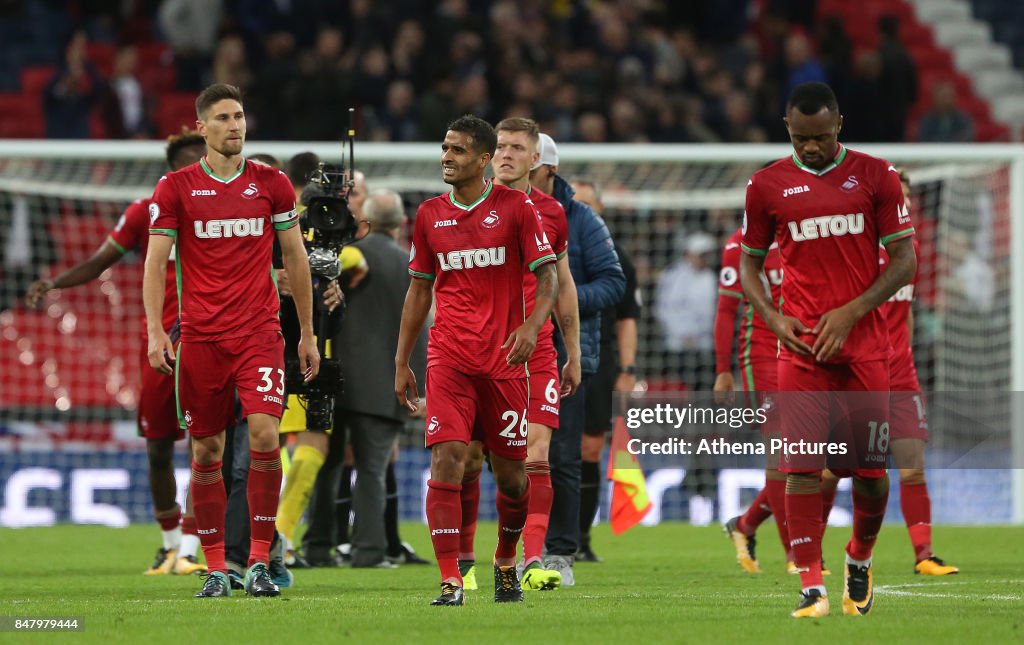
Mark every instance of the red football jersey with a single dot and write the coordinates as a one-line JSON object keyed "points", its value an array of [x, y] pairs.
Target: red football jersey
{"points": [[224, 236], [556, 231], [132, 234], [476, 256], [757, 342], [902, 372], [828, 225]]}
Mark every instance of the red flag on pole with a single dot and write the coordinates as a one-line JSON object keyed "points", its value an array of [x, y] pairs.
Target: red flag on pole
{"points": [[629, 502]]}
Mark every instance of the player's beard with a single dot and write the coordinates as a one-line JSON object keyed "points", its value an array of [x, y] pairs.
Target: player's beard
{"points": [[454, 178], [230, 147]]}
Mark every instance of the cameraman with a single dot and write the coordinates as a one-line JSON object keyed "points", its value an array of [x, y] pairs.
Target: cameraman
{"points": [[311, 447]]}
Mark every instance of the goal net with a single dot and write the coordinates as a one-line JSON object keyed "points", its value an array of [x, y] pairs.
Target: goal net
{"points": [[69, 369]]}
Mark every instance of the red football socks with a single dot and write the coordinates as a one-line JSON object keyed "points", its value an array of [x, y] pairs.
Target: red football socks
{"points": [[868, 513], [917, 513], [188, 525], [470, 510], [444, 517], [776, 489], [803, 519], [169, 519], [538, 510], [263, 493], [511, 519], [209, 502], [760, 510], [828, 499]]}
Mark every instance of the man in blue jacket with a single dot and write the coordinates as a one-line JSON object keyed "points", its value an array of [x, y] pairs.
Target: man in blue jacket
{"points": [[600, 283]]}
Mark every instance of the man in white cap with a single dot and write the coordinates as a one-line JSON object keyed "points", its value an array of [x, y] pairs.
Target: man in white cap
{"points": [[689, 285], [600, 283]]}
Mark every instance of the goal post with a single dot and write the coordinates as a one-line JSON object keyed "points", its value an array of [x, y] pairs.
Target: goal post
{"points": [[970, 199]]}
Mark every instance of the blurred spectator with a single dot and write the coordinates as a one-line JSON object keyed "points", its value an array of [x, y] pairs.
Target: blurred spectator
{"points": [[407, 55], [971, 281], [398, 121], [190, 27], [801, 65], [72, 93], [592, 128], [229, 63], [899, 79], [689, 285], [321, 89], [627, 121], [864, 113], [268, 96], [602, 70], [124, 110], [836, 55], [371, 79], [798, 12], [945, 122]]}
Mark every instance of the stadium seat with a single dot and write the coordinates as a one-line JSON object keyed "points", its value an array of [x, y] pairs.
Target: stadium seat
{"points": [[990, 132], [21, 117], [34, 79], [153, 54], [157, 81], [102, 56], [175, 110]]}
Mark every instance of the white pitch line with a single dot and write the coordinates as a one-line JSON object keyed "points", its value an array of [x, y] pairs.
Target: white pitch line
{"points": [[898, 590]]}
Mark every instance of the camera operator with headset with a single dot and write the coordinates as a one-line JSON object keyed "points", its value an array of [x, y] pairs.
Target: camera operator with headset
{"points": [[309, 410]]}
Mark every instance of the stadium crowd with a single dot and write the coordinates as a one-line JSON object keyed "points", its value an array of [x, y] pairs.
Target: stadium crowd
{"points": [[603, 71]]}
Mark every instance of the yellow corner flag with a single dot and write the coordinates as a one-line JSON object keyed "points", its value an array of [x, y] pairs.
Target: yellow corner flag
{"points": [[629, 502]]}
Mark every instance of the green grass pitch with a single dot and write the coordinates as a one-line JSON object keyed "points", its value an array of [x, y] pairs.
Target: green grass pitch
{"points": [[669, 584]]}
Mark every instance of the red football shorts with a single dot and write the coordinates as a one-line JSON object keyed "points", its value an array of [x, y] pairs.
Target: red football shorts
{"points": [[462, 407], [208, 375], [908, 416], [545, 399], [158, 408], [834, 416]]}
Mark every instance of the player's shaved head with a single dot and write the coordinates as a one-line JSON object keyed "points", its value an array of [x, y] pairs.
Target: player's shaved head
{"points": [[813, 122], [812, 97]]}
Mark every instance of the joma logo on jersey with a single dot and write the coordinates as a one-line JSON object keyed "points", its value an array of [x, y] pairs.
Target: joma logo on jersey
{"points": [[218, 228], [441, 223], [814, 228], [796, 190], [204, 193], [472, 258]]}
